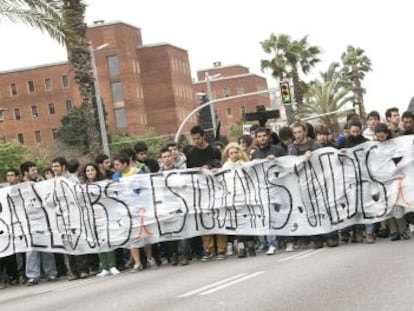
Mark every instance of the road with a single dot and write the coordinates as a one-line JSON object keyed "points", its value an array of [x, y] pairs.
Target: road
{"points": [[350, 277]]}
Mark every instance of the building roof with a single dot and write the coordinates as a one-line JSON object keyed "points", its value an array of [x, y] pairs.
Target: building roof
{"points": [[102, 23], [35, 67], [159, 44], [222, 67], [230, 77]]}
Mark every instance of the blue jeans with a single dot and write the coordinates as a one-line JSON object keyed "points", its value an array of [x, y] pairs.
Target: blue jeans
{"points": [[369, 228], [35, 260], [271, 241]]}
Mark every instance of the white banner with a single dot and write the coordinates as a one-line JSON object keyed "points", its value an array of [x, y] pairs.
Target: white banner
{"points": [[289, 196]]}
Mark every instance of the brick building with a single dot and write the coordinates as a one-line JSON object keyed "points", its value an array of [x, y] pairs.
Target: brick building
{"points": [[226, 81], [34, 100], [142, 87]]}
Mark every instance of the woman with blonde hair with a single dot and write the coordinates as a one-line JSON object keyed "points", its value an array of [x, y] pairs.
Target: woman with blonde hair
{"points": [[232, 158]]}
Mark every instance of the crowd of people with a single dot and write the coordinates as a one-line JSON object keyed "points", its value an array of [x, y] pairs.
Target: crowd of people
{"points": [[297, 139]]}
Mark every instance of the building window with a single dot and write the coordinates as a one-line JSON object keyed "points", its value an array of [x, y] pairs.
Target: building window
{"points": [[138, 67], [54, 133], [48, 84], [20, 138], [35, 114], [13, 89], [52, 108], [69, 106], [120, 118], [240, 90], [2, 115], [113, 65], [65, 81], [242, 110], [229, 113], [30, 86], [213, 95], [38, 137], [226, 91], [17, 115], [116, 92]]}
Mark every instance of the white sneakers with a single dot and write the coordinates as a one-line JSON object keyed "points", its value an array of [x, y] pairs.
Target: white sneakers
{"points": [[151, 262], [112, 271], [289, 247], [103, 273], [271, 250], [229, 249]]}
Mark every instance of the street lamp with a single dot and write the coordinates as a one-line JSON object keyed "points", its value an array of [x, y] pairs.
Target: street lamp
{"points": [[101, 116], [210, 98]]}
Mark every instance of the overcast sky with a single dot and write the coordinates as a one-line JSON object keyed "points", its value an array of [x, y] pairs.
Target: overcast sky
{"points": [[230, 31]]}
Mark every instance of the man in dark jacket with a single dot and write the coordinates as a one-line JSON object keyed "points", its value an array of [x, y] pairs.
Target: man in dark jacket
{"points": [[266, 150], [355, 138]]}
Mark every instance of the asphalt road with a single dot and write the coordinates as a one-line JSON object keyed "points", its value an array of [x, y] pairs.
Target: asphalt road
{"points": [[350, 277]]}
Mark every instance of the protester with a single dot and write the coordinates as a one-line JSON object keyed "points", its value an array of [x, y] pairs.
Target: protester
{"points": [[205, 156], [397, 226], [372, 120], [105, 165], [179, 159], [266, 150], [355, 138], [122, 165], [37, 261], [392, 115], [92, 174], [232, 158]]}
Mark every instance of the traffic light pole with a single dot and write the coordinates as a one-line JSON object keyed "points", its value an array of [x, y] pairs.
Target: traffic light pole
{"points": [[210, 103], [212, 111]]}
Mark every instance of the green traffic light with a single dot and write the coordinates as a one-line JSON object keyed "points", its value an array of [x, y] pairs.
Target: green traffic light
{"points": [[286, 100]]}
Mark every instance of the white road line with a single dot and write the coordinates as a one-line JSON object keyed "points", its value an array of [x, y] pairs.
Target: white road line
{"points": [[231, 283], [294, 256], [61, 286], [310, 254], [211, 285]]}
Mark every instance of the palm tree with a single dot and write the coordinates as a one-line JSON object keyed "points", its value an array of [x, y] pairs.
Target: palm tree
{"points": [[328, 95], [277, 46], [303, 57], [80, 59], [64, 21], [41, 14], [355, 65], [288, 59]]}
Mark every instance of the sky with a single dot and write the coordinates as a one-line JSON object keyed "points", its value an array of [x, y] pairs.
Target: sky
{"points": [[230, 31]]}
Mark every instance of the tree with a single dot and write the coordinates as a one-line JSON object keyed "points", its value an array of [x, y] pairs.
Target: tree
{"points": [[154, 142], [45, 15], [73, 130], [12, 154], [80, 59], [289, 58], [355, 65], [328, 95], [235, 131]]}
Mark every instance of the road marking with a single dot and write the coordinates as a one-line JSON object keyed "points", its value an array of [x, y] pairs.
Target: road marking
{"points": [[61, 287], [231, 283], [296, 255], [211, 285], [310, 254]]}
